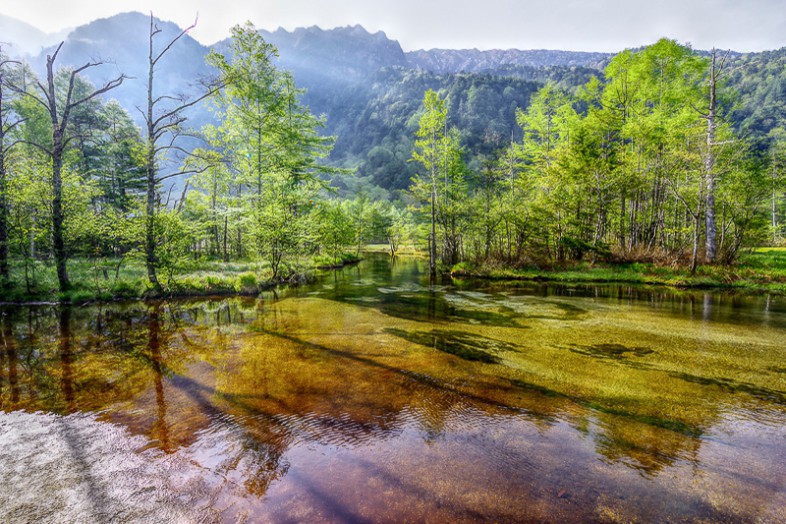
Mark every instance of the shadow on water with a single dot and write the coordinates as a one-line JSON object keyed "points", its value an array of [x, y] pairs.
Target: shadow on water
{"points": [[404, 289], [256, 385], [611, 351], [468, 346], [96, 492]]}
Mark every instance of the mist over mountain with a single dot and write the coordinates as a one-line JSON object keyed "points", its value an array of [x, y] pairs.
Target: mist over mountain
{"points": [[368, 89], [121, 43], [20, 38]]}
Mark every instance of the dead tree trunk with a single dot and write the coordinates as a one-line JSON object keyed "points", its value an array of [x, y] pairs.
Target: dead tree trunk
{"points": [[59, 110], [163, 122]]}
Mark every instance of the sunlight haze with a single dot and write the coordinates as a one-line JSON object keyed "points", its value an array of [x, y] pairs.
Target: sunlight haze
{"points": [[601, 25]]}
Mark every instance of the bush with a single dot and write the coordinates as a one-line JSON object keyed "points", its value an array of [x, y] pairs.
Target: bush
{"points": [[246, 283]]}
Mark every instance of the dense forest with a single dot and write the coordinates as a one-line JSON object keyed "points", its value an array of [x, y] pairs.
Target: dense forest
{"points": [[661, 154]]}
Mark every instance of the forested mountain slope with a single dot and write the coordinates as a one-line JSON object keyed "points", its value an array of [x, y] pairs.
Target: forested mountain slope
{"points": [[369, 90]]}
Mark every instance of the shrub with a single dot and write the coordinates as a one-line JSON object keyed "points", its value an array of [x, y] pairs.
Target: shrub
{"points": [[246, 283]]}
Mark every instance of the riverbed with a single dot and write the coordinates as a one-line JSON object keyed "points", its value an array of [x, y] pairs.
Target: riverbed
{"points": [[375, 395]]}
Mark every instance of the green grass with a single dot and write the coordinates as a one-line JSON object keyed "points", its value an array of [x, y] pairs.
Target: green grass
{"points": [[93, 280], [760, 270]]}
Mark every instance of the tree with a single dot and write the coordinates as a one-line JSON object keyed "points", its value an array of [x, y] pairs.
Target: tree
{"points": [[8, 122], [429, 148], [711, 245], [60, 111], [777, 150], [271, 143], [164, 118], [121, 164]]}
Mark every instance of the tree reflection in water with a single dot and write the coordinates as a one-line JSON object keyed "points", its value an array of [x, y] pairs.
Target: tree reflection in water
{"points": [[365, 397]]}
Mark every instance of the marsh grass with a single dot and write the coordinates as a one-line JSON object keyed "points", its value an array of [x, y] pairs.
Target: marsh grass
{"points": [[759, 270], [114, 279]]}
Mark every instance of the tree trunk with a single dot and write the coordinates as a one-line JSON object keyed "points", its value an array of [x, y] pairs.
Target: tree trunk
{"points": [[711, 241], [57, 215], [226, 232], [432, 258], [4, 274], [58, 129], [695, 254], [150, 232], [774, 208], [150, 209]]}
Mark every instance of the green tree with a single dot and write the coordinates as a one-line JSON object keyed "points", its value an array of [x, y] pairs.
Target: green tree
{"points": [[9, 120], [271, 143], [430, 153], [60, 106]]}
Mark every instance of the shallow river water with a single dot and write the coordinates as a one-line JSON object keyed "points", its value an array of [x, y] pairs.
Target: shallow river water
{"points": [[372, 396]]}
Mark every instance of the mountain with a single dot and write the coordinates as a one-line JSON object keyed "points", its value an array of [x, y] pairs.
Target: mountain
{"points": [[121, 42], [370, 91], [24, 39], [344, 54], [475, 61]]}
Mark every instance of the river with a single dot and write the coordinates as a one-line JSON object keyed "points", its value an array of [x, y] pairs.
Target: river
{"points": [[372, 396]]}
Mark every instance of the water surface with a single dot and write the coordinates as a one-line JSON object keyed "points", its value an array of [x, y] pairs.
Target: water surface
{"points": [[373, 396]]}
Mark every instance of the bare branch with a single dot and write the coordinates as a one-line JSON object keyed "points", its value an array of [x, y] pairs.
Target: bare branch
{"points": [[36, 145], [11, 146], [723, 62], [183, 196], [173, 41], [167, 97], [16, 89], [212, 90], [181, 173], [106, 87], [53, 57]]}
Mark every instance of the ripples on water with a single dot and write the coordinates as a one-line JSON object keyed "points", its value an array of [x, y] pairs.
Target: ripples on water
{"points": [[375, 397]]}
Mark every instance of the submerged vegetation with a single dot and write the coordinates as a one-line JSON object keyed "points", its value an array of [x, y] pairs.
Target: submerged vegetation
{"points": [[547, 403]]}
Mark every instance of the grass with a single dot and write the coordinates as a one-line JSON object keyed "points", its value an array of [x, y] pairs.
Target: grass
{"points": [[760, 270], [111, 279], [408, 249]]}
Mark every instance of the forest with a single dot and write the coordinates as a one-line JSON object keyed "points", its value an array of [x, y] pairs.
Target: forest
{"points": [[653, 160]]}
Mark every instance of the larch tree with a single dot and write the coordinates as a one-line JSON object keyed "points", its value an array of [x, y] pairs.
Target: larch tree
{"points": [[711, 226], [429, 152], [271, 141]]}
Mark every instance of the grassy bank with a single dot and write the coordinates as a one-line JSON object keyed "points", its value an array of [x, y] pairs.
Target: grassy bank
{"points": [[761, 270], [110, 279], [403, 250]]}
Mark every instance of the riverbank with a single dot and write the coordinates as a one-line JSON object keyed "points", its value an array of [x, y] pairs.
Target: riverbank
{"points": [[761, 271], [105, 280]]}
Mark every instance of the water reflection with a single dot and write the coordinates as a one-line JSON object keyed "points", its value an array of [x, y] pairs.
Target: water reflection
{"points": [[377, 395]]}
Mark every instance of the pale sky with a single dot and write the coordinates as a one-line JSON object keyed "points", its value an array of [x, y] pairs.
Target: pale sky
{"points": [[584, 25]]}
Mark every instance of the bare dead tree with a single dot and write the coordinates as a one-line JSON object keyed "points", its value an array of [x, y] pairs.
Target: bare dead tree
{"points": [[164, 119], [46, 95]]}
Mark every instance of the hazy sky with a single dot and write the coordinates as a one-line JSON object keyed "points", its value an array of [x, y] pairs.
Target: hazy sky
{"points": [[590, 25]]}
